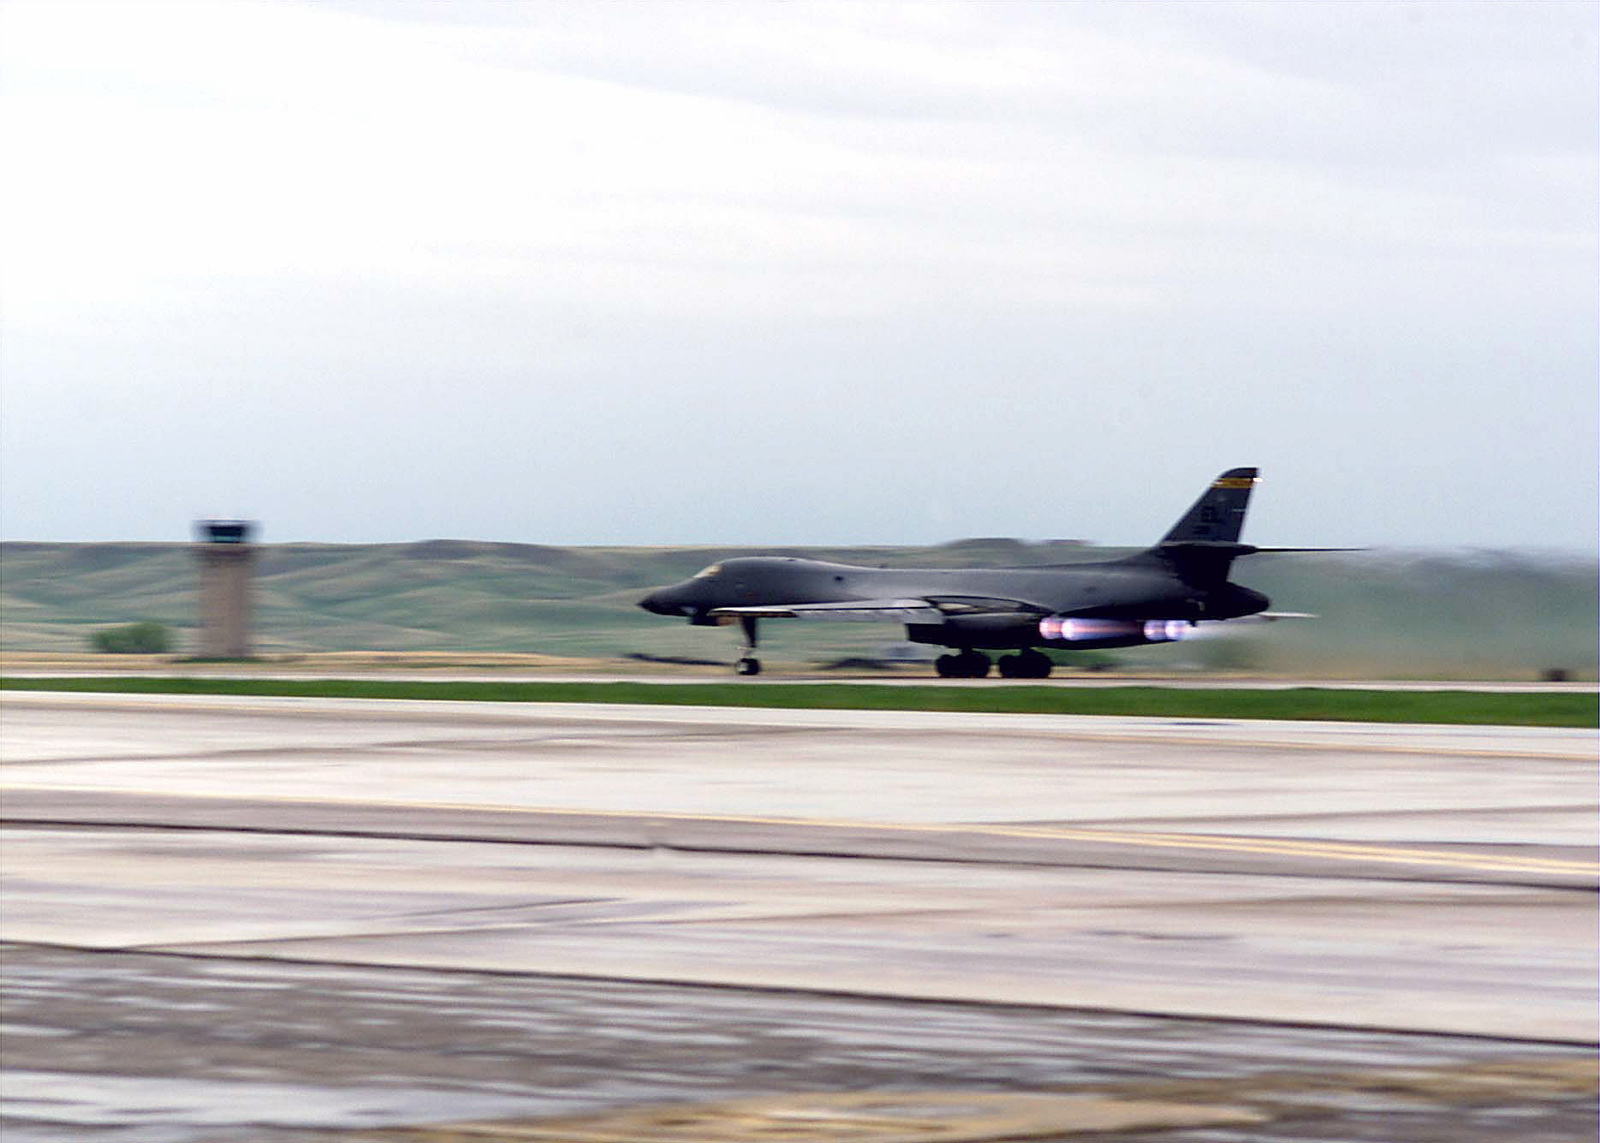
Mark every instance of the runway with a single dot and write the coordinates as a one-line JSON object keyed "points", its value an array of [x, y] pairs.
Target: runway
{"points": [[798, 674], [1310, 886]]}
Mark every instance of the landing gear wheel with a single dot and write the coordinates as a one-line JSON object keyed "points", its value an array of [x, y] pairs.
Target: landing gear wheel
{"points": [[1032, 664], [974, 664], [969, 664], [747, 666], [1021, 666]]}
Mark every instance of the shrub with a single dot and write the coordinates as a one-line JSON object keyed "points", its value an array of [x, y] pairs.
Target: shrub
{"points": [[147, 638]]}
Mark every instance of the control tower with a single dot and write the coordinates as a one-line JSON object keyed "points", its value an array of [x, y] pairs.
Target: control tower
{"points": [[226, 555]]}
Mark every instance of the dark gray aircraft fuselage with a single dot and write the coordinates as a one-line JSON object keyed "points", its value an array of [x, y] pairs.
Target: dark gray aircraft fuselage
{"points": [[1113, 590], [1151, 597]]}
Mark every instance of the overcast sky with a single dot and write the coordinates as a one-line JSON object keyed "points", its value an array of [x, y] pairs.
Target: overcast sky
{"points": [[799, 273]]}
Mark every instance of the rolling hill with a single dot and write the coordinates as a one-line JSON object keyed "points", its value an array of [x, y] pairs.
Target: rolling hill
{"points": [[1382, 613]]}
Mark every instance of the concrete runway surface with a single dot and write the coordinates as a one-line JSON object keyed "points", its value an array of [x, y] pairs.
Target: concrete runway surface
{"points": [[268, 919]]}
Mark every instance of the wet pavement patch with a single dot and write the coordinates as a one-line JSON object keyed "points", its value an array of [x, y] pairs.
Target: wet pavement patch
{"points": [[122, 1047], [1124, 1111], [855, 1117]]}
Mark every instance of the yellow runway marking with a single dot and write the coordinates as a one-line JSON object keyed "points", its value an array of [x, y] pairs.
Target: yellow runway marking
{"points": [[1280, 847]]}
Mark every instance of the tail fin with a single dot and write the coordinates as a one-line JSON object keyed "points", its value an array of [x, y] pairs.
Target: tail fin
{"points": [[1218, 516]]}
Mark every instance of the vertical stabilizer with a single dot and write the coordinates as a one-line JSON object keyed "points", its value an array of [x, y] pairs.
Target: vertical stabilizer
{"points": [[1218, 516]]}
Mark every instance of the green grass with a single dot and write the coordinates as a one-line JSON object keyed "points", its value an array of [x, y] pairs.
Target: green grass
{"points": [[1466, 708]]}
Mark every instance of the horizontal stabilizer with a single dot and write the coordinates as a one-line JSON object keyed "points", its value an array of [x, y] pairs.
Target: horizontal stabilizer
{"points": [[1284, 551]]}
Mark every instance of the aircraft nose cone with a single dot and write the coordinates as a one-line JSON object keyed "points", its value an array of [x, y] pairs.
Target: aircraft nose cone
{"points": [[657, 603]]}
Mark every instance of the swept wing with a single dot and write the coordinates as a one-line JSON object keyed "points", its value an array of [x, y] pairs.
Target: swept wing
{"points": [[928, 609]]}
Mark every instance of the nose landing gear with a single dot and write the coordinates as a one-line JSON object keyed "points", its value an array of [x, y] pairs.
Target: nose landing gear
{"points": [[748, 664]]}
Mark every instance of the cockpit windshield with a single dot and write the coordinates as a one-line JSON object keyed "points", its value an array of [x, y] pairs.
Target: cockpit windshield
{"points": [[709, 573]]}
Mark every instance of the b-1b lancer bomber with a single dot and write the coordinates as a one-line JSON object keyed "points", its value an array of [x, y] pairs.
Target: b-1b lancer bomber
{"points": [[1156, 596]]}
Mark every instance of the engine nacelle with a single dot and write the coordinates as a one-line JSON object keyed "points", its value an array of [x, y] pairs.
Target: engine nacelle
{"points": [[1086, 633]]}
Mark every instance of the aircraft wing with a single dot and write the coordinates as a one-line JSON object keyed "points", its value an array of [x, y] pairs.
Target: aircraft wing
{"points": [[864, 610], [931, 609], [984, 605]]}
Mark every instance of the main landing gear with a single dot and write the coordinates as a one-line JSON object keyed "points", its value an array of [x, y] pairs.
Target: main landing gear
{"points": [[748, 664], [971, 664], [1029, 664]]}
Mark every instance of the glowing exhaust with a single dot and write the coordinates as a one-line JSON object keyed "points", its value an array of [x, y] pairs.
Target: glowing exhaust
{"points": [[1070, 630]]}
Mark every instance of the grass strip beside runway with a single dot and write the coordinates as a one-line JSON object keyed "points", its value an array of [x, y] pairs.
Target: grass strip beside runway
{"points": [[1464, 708]]}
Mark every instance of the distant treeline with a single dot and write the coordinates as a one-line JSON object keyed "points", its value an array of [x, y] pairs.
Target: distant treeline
{"points": [[1384, 613]]}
